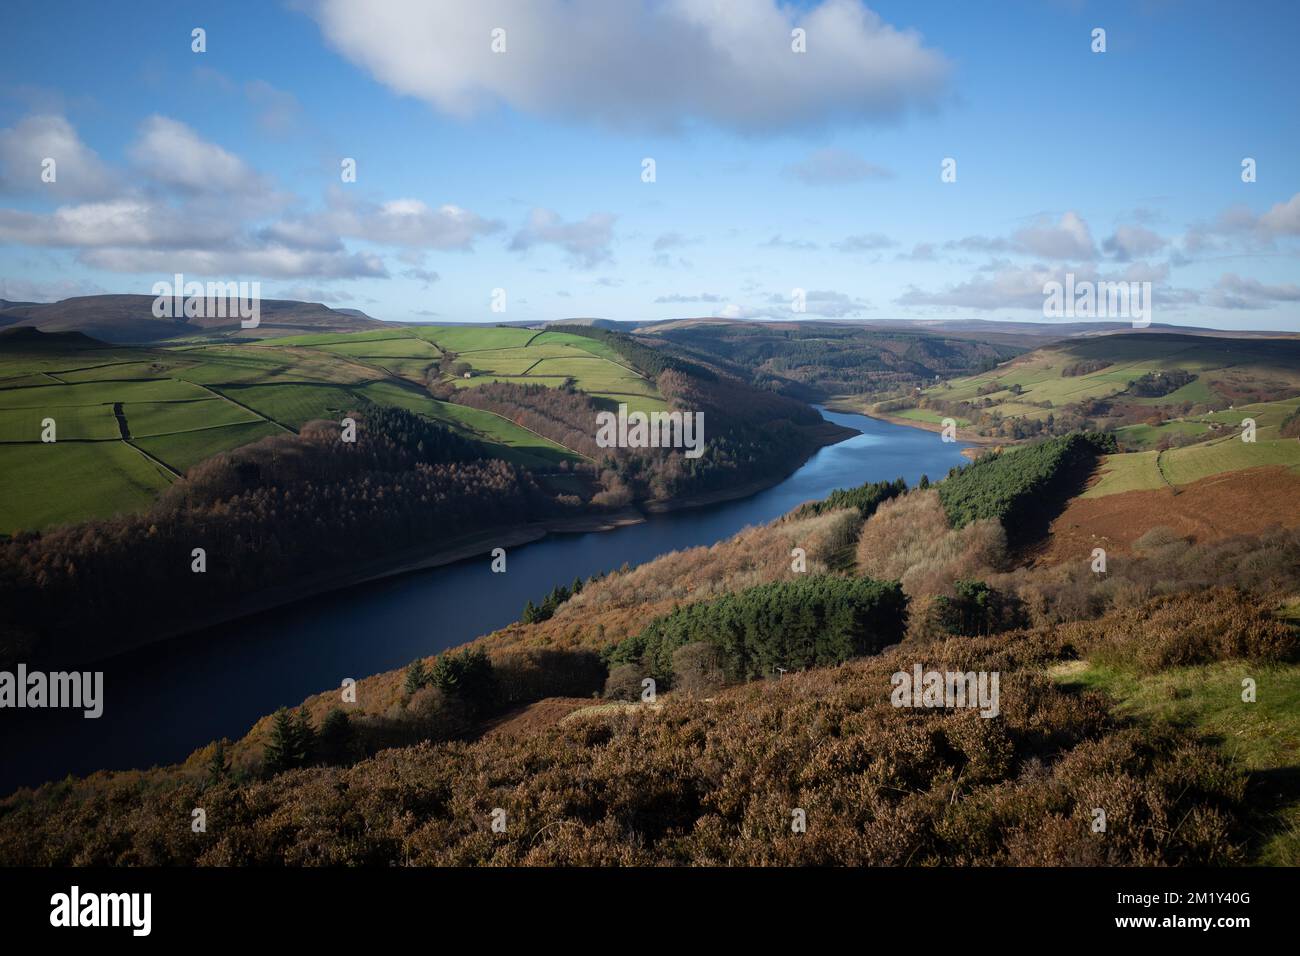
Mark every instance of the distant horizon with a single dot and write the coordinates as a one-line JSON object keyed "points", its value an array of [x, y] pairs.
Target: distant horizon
{"points": [[1119, 325]]}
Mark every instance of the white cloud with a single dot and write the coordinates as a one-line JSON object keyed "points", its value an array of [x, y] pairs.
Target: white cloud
{"points": [[979, 244], [671, 240], [1021, 287], [1234, 292], [173, 154], [1069, 238], [678, 298], [654, 64], [829, 304], [1013, 287], [587, 242], [1130, 242], [825, 303], [834, 167], [277, 262], [921, 252], [195, 207], [733, 310], [1239, 222], [79, 172], [1283, 219], [131, 223], [407, 222], [863, 242], [303, 293], [798, 245], [426, 277], [27, 290]]}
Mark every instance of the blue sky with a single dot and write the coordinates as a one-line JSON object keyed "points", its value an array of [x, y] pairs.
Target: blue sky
{"points": [[774, 170]]}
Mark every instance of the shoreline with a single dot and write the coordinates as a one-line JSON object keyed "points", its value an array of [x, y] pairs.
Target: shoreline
{"points": [[972, 453], [407, 561], [825, 437], [479, 544]]}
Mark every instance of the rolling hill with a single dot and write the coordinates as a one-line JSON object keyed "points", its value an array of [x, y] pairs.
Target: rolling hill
{"points": [[816, 360], [1112, 696], [1147, 388], [129, 419], [126, 319]]}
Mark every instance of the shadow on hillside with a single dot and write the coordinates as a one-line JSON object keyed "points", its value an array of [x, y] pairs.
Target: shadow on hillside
{"points": [[1274, 799], [1028, 537]]}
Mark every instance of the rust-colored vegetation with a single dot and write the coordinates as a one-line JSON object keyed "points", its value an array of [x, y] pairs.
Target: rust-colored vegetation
{"points": [[711, 772]]}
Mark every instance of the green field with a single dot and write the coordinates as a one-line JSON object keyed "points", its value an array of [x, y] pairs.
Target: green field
{"points": [[1134, 471], [106, 391], [1142, 437], [72, 422], [494, 354], [548, 358], [47, 484], [929, 416], [147, 419], [293, 405], [1137, 471], [1223, 452], [1197, 392], [185, 402], [1182, 466], [181, 451], [474, 338]]}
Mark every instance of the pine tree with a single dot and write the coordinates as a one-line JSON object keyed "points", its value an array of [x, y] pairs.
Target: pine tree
{"points": [[304, 739], [218, 765], [468, 676], [280, 747], [292, 743], [416, 677], [336, 736]]}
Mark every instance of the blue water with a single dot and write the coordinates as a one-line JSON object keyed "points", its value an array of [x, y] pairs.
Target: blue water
{"points": [[163, 701]]}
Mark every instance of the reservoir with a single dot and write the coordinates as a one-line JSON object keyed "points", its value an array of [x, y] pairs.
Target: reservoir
{"points": [[164, 701]]}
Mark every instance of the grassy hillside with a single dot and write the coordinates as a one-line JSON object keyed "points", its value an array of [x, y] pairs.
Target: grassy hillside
{"points": [[1176, 404], [172, 406], [138, 432], [130, 419], [1220, 451], [493, 354], [1146, 387], [818, 360], [1224, 369], [1203, 699]]}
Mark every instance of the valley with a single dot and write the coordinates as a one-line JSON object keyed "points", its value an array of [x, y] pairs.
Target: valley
{"points": [[995, 552]]}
